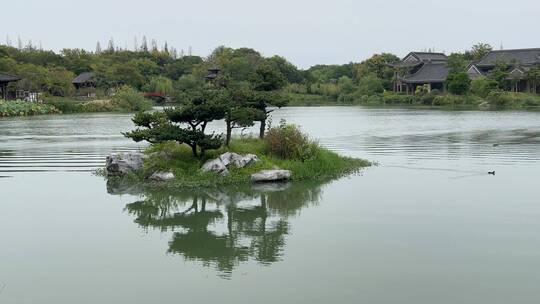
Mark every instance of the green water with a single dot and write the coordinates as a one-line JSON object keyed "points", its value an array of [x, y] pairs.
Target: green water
{"points": [[428, 225]]}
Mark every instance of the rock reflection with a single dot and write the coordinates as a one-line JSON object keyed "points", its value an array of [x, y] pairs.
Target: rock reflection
{"points": [[226, 227]]}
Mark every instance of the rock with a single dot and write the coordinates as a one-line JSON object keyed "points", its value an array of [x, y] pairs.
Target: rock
{"points": [[124, 163], [215, 165], [162, 176], [220, 165], [271, 176], [238, 160]]}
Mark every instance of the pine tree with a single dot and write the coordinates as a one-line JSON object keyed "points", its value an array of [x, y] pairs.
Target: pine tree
{"points": [[111, 48], [166, 48], [135, 44], [144, 45]]}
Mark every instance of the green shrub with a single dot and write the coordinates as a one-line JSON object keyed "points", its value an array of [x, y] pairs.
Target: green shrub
{"points": [[456, 100], [458, 83], [287, 141], [369, 85], [509, 99], [128, 99], [24, 108], [394, 98], [482, 86], [65, 105], [99, 106]]}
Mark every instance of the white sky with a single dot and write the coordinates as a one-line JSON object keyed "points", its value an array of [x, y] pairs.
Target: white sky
{"points": [[306, 32]]}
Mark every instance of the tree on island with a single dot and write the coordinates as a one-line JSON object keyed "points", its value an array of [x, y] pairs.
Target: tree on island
{"points": [[266, 81], [239, 111], [185, 125]]}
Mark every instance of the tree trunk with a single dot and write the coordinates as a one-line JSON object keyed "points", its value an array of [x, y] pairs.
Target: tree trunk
{"points": [[262, 129], [229, 133], [194, 150]]}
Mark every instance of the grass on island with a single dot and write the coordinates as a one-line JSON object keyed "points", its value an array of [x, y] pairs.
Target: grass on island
{"points": [[170, 156]]}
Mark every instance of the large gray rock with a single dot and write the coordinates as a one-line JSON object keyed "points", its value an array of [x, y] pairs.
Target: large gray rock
{"points": [[221, 164], [271, 176], [240, 161], [215, 165], [162, 176], [124, 163]]}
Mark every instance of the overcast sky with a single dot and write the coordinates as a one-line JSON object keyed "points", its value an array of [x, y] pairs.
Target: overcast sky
{"points": [[306, 32]]}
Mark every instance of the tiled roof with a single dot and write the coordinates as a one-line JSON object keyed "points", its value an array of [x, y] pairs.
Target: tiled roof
{"points": [[83, 78], [429, 57], [429, 72], [8, 78], [519, 56]]}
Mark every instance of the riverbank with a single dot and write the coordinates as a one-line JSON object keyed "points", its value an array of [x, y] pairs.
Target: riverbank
{"points": [[23, 108], [171, 157], [493, 101], [125, 99]]}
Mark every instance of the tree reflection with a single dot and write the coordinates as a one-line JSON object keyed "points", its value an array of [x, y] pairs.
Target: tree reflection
{"points": [[223, 228]]}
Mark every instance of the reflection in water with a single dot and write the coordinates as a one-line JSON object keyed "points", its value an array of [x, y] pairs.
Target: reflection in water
{"points": [[222, 228]]}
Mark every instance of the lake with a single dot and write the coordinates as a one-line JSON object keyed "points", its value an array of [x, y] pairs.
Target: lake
{"points": [[427, 225]]}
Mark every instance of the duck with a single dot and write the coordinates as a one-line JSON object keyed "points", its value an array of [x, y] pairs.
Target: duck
{"points": [[491, 172]]}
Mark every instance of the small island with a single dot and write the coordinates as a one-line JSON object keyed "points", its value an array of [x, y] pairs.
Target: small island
{"points": [[183, 153]]}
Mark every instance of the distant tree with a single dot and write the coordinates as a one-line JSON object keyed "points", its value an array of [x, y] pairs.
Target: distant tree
{"points": [[159, 84], [346, 85], [77, 60], [499, 74], [289, 70], [377, 65], [189, 83], [267, 78], [479, 50], [370, 84], [482, 86], [110, 47], [154, 45], [457, 63], [458, 83], [533, 75], [144, 45], [58, 82]]}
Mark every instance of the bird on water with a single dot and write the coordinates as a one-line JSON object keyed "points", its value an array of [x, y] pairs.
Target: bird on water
{"points": [[491, 172]]}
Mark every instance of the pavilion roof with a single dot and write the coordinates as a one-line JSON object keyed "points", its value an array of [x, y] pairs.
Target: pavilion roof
{"points": [[8, 78], [83, 78], [429, 72]]}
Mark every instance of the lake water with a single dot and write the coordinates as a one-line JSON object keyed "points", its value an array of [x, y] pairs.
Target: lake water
{"points": [[428, 225]]}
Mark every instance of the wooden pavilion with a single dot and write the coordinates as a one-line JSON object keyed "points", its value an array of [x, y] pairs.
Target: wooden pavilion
{"points": [[5, 79]]}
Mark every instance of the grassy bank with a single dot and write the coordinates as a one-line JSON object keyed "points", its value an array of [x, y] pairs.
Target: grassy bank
{"points": [[23, 108], [322, 165], [125, 100], [309, 100]]}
